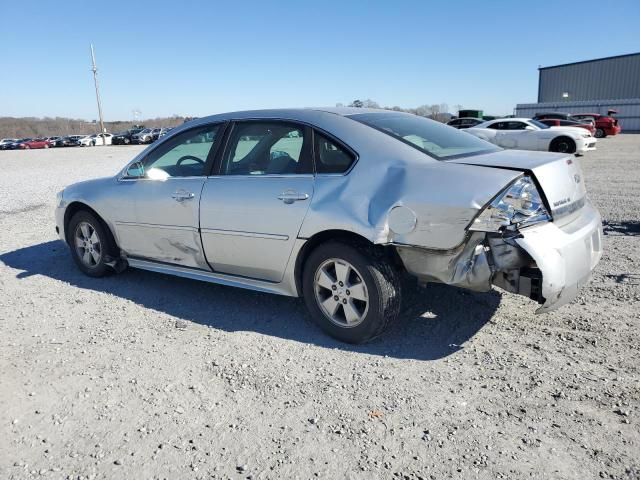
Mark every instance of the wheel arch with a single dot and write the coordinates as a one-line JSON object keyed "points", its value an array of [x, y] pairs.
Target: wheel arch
{"points": [[338, 235], [77, 206], [561, 137]]}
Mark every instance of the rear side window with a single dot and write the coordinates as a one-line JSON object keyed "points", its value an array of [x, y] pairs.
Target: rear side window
{"points": [[331, 157]]}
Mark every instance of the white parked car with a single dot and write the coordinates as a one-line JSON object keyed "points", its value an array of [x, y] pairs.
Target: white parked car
{"points": [[84, 141], [97, 139], [527, 134]]}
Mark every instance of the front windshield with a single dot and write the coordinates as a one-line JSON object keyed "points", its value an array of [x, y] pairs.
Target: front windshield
{"points": [[437, 140], [538, 124]]}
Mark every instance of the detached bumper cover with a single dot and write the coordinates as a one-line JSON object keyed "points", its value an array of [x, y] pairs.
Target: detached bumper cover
{"points": [[566, 256]]}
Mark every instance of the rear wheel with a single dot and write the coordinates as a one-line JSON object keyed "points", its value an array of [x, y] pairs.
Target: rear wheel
{"points": [[600, 133], [352, 294], [90, 246], [563, 145]]}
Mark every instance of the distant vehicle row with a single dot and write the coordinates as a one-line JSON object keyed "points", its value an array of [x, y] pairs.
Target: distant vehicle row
{"points": [[48, 142], [135, 136], [603, 125], [530, 134], [139, 135], [598, 125]]}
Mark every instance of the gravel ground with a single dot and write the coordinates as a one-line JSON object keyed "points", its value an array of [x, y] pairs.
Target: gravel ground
{"points": [[141, 375]]}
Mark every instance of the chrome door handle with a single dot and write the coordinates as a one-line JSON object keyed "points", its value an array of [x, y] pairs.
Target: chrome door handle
{"points": [[182, 196], [290, 196]]}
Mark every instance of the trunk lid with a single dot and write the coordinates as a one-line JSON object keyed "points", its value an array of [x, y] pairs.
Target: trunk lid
{"points": [[558, 174]]}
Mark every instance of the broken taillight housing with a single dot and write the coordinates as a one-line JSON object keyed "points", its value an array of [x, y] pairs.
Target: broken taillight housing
{"points": [[519, 205]]}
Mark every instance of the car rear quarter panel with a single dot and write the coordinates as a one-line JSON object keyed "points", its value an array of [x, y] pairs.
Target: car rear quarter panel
{"points": [[444, 198]]}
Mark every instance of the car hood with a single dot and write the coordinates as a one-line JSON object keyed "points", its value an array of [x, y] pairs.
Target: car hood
{"points": [[574, 130]]}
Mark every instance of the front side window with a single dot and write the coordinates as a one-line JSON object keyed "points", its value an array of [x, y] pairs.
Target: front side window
{"points": [[433, 138], [331, 157], [184, 155], [267, 148]]}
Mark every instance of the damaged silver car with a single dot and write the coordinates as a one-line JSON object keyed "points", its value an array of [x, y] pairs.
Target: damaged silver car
{"points": [[338, 206]]}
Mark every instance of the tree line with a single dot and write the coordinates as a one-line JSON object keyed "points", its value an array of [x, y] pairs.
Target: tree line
{"points": [[12, 127]]}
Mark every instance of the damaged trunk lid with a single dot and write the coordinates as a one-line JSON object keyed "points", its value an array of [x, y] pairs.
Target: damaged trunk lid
{"points": [[559, 175]]}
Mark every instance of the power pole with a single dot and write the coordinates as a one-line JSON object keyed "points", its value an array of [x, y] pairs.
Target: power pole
{"points": [[94, 69]]}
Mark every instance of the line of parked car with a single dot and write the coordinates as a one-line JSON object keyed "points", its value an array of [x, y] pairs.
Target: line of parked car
{"points": [[138, 135], [599, 125], [553, 132]]}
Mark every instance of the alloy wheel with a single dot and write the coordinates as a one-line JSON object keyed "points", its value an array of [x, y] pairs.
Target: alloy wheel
{"points": [[341, 293], [88, 244]]}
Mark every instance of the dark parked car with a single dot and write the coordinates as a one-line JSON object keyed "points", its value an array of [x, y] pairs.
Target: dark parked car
{"points": [[465, 122], [124, 138], [68, 141]]}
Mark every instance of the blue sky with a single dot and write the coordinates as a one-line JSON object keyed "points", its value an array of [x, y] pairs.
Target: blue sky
{"points": [[197, 58]]}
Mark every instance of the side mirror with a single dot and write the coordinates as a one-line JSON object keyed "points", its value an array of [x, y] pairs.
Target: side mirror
{"points": [[529, 128], [135, 170]]}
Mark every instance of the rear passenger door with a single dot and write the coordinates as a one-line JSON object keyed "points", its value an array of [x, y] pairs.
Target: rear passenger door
{"points": [[252, 208]]}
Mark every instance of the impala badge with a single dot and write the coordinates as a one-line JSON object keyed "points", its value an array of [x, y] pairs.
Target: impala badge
{"points": [[576, 177]]}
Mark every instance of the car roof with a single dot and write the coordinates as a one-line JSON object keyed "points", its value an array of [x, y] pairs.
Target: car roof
{"points": [[291, 113], [516, 119]]}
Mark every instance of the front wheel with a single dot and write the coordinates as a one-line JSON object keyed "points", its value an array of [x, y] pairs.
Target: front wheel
{"points": [[90, 246], [600, 133], [352, 294], [563, 145]]}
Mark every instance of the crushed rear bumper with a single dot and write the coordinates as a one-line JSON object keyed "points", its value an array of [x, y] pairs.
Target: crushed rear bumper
{"points": [[547, 263], [566, 256]]}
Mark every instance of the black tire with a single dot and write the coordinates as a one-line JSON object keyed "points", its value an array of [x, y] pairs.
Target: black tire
{"points": [[563, 145], [600, 133], [383, 285], [100, 269]]}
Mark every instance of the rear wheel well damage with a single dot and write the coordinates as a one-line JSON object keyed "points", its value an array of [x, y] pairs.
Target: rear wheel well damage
{"points": [[349, 238], [485, 259], [76, 207]]}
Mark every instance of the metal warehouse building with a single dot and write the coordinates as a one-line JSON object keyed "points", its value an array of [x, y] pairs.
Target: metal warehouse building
{"points": [[592, 86]]}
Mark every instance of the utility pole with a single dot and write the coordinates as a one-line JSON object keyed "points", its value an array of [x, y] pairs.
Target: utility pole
{"points": [[94, 69]]}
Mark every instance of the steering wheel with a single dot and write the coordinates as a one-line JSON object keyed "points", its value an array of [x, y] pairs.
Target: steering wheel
{"points": [[189, 157]]}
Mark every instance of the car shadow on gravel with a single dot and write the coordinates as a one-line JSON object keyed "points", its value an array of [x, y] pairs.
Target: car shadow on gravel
{"points": [[629, 228], [437, 320]]}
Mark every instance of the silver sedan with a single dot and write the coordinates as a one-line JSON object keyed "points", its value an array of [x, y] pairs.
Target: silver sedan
{"points": [[339, 206]]}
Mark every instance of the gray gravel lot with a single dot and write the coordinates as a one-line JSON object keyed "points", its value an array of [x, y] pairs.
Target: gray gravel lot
{"points": [[141, 375]]}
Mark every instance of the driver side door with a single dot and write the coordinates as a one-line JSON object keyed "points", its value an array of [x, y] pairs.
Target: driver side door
{"points": [[164, 190]]}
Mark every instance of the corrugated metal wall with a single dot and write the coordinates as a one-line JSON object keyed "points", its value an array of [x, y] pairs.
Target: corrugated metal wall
{"points": [[628, 110], [611, 78]]}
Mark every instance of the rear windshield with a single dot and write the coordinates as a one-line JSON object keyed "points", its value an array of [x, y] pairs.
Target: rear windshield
{"points": [[437, 140]]}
